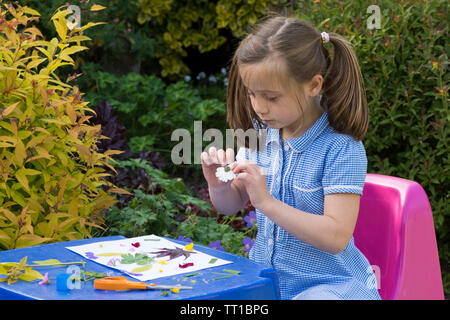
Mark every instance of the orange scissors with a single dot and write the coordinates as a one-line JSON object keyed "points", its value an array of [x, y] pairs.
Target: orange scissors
{"points": [[122, 283]]}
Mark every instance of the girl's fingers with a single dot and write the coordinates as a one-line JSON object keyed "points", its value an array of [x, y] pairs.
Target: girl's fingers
{"points": [[221, 157], [205, 158], [213, 155], [212, 152], [247, 166], [240, 166], [230, 155], [243, 176]]}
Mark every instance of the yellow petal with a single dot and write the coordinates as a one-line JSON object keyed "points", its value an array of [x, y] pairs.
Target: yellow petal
{"points": [[189, 246]]}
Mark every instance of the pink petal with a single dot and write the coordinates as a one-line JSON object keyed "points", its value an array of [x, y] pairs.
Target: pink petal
{"points": [[45, 280]]}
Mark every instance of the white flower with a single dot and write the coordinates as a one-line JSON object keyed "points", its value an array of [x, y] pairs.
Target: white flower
{"points": [[225, 174], [212, 79], [201, 75]]}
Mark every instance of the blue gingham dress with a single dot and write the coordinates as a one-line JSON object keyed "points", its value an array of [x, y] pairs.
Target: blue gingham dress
{"points": [[300, 174]]}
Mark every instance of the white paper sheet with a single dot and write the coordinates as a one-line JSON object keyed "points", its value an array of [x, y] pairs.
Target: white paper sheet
{"points": [[110, 253]]}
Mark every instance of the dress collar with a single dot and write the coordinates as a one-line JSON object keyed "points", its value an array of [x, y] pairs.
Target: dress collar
{"points": [[300, 143]]}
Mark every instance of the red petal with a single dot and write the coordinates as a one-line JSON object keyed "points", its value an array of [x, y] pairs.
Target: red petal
{"points": [[136, 245], [185, 265]]}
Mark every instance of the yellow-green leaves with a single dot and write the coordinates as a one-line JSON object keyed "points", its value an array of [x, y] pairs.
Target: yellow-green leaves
{"points": [[51, 173], [10, 109], [60, 22], [97, 7], [15, 271]]}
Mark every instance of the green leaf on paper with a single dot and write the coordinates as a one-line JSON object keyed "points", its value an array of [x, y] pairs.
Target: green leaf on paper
{"points": [[140, 269], [109, 254], [138, 258]]}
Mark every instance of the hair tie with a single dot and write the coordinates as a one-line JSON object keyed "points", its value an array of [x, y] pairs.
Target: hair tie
{"points": [[325, 37]]}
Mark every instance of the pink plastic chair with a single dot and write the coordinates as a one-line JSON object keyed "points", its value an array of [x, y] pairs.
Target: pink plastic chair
{"points": [[395, 231]]}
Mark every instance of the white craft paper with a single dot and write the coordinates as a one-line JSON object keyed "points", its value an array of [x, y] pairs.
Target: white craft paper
{"points": [[103, 253]]}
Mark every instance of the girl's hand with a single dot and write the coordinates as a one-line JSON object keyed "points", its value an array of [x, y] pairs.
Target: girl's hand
{"points": [[212, 160], [253, 178]]}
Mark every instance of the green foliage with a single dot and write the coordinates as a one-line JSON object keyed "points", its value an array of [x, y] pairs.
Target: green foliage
{"points": [[204, 230], [151, 111], [151, 213], [139, 258], [179, 25], [169, 213], [404, 65], [120, 45], [50, 168]]}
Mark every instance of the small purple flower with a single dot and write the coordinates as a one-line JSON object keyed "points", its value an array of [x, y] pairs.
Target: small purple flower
{"points": [[250, 219], [216, 245], [188, 240], [112, 262], [248, 244], [131, 273], [90, 255]]}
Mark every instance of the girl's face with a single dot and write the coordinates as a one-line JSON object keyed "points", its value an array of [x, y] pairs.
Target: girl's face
{"points": [[276, 105]]}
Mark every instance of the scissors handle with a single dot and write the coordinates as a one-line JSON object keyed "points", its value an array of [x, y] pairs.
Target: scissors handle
{"points": [[118, 283]]}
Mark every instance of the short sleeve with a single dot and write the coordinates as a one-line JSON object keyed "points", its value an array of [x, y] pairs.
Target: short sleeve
{"points": [[345, 167]]}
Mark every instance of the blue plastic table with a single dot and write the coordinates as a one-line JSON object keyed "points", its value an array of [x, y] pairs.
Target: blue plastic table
{"points": [[255, 281]]}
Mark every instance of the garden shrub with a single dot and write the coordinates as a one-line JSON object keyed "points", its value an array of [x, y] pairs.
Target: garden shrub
{"points": [[51, 171], [151, 111], [405, 70], [183, 24], [157, 203], [163, 206], [120, 46]]}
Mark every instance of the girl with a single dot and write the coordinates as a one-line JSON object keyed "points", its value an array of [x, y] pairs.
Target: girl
{"points": [[306, 181]]}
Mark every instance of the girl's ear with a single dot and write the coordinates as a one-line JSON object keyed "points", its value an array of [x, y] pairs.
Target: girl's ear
{"points": [[314, 85]]}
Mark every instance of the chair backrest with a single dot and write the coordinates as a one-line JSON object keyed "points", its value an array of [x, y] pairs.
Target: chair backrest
{"points": [[395, 231]]}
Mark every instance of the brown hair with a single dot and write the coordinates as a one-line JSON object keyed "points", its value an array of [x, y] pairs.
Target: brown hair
{"points": [[298, 52]]}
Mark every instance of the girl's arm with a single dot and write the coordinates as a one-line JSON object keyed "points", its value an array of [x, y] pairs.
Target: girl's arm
{"points": [[229, 198], [329, 232]]}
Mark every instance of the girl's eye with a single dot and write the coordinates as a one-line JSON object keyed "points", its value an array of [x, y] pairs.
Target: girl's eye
{"points": [[273, 99]]}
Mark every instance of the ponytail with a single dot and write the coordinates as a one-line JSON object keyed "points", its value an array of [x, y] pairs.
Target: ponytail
{"points": [[344, 91]]}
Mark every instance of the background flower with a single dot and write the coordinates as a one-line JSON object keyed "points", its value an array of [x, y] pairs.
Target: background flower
{"points": [[248, 244], [185, 239], [250, 219], [216, 245]]}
